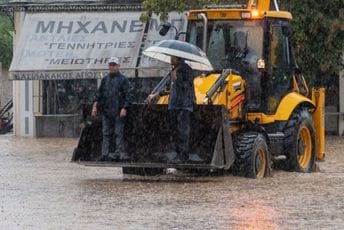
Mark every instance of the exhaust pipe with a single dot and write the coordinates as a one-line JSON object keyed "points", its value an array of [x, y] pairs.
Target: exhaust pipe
{"points": [[276, 5], [205, 30]]}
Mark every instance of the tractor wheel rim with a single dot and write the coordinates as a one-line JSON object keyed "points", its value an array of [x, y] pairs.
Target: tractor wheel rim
{"points": [[260, 163], [304, 147]]}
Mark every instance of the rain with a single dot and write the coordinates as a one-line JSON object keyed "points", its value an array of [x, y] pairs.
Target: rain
{"points": [[206, 121]]}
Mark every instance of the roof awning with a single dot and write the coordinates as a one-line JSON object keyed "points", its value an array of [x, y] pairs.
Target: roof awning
{"points": [[77, 45]]}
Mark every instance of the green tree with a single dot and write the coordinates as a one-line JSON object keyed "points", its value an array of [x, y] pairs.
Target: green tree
{"points": [[318, 36], [6, 39], [318, 31], [162, 7]]}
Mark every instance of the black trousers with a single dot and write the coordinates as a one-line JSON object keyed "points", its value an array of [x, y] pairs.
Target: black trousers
{"points": [[111, 126], [181, 123]]}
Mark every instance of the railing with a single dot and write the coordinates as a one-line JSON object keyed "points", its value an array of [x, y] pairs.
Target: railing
{"points": [[6, 117]]}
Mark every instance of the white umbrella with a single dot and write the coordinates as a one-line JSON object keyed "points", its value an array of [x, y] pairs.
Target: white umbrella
{"points": [[193, 55]]}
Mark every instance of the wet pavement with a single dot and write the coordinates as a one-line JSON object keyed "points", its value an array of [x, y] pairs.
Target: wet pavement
{"points": [[41, 189]]}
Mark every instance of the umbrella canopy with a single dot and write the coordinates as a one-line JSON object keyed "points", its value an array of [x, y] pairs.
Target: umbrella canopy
{"points": [[193, 55]]}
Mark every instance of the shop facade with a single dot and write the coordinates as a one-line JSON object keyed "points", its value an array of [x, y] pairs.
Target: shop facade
{"points": [[61, 53]]}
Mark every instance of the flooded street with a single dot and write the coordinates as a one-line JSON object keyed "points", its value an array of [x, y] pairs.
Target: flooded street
{"points": [[41, 189]]}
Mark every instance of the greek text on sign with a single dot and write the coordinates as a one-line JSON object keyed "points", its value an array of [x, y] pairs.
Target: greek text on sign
{"points": [[77, 41]]}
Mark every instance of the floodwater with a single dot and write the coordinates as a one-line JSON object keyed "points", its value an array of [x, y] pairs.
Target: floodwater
{"points": [[41, 189]]}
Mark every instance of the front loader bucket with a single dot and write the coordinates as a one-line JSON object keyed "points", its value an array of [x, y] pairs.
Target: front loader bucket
{"points": [[150, 138]]}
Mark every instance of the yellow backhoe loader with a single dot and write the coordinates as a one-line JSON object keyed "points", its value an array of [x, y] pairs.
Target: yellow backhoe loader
{"points": [[253, 111]]}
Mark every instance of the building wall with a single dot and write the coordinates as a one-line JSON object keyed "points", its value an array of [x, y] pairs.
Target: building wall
{"points": [[332, 104], [24, 121], [30, 118], [341, 104]]}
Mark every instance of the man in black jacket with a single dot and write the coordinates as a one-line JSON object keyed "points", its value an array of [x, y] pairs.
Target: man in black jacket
{"points": [[181, 102], [113, 96]]}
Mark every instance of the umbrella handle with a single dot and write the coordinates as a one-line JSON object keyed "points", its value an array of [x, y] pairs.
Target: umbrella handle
{"points": [[161, 84]]}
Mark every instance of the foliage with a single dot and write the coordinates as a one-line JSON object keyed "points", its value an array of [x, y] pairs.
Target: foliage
{"points": [[6, 40], [318, 36], [318, 31], [162, 7]]}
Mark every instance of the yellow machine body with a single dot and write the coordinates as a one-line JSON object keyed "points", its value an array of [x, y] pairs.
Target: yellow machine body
{"points": [[318, 98], [233, 95], [226, 131]]}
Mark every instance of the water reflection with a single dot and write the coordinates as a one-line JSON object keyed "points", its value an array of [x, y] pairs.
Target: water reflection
{"points": [[254, 215], [41, 189]]}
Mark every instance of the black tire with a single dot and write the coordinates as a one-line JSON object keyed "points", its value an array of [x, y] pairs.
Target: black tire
{"points": [[251, 155], [143, 171], [300, 151]]}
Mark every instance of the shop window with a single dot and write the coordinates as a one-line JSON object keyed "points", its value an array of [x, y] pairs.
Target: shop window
{"points": [[67, 96]]}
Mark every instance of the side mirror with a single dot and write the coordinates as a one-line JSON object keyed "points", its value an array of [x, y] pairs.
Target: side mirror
{"points": [[165, 27]]}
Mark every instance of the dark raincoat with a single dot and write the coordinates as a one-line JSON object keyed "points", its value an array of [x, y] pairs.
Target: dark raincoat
{"points": [[113, 94], [182, 92]]}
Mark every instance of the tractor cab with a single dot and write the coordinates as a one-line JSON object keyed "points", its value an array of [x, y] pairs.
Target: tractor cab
{"points": [[255, 42]]}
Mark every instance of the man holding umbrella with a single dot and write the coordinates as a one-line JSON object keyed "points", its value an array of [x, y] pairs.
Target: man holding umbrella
{"points": [[181, 102], [184, 57]]}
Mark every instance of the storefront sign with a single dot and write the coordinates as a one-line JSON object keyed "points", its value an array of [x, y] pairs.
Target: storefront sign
{"points": [[78, 45]]}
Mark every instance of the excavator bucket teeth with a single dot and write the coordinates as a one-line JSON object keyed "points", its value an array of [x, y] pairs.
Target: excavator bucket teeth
{"points": [[150, 138]]}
